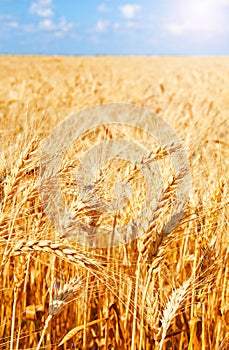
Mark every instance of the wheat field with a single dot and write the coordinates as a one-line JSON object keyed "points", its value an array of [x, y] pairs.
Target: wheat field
{"points": [[159, 291]]}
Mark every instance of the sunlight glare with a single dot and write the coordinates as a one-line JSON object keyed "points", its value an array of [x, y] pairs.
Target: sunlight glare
{"points": [[202, 14]]}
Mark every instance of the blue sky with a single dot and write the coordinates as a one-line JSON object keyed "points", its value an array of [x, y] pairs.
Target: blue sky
{"points": [[114, 27]]}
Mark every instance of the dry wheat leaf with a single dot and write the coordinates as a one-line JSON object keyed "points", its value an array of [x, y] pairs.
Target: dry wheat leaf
{"points": [[75, 330]]}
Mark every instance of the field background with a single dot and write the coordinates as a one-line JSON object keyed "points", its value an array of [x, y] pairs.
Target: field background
{"points": [[176, 297]]}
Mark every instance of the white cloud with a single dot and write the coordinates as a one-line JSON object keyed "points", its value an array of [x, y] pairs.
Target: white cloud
{"points": [[132, 24], [5, 17], [13, 24], [130, 11], [116, 26], [60, 28], [47, 25], [42, 8], [202, 30], [102, 26], [8, 22], [104, 8], [178, 29], [64, 27], [29, 28]]}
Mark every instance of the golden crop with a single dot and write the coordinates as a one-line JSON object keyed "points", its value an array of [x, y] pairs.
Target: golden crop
{"points": [[156, 292]]}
